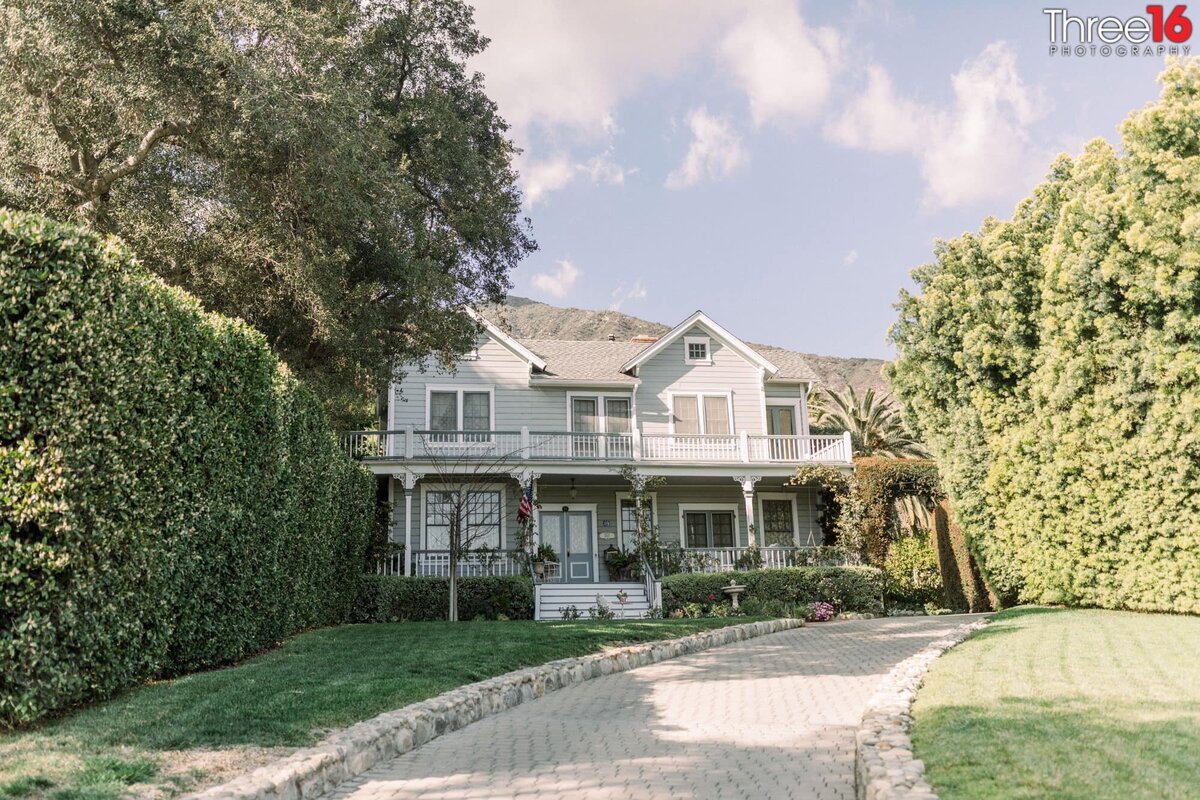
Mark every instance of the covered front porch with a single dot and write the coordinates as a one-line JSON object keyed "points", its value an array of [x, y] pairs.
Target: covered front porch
{"points": [[587, 528]]}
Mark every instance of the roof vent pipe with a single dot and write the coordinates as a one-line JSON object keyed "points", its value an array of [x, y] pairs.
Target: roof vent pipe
{"points": [[612, 337]]}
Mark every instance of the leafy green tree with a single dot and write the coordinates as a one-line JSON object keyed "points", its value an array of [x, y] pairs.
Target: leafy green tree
{"points": [[875, 425], [330, 172], [1052, 363]]}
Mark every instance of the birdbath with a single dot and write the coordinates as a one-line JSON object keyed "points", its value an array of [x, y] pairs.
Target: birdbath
{"points": [[733, 590]]}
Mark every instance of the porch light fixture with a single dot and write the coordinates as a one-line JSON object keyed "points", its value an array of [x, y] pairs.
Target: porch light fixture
{"points": [[574, 492]]}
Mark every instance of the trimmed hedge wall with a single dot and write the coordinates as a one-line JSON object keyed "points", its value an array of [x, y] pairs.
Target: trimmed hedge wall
{"points": [[170, 498], [393, 598], [848, 588]]}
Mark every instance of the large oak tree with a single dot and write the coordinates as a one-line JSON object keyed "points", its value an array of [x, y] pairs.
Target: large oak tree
{"points": [[329, 171]]}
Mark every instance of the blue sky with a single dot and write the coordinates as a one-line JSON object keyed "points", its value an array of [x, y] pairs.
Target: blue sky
{"points": [[781, 165]]}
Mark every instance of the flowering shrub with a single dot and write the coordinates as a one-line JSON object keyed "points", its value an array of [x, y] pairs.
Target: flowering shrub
{"points": [[820, 612]]}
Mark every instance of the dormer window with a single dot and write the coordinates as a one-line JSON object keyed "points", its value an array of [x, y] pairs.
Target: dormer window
{"points": [[696, 350]]}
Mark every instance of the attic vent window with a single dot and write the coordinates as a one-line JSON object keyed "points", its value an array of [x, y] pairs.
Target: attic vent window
{"points": [[696, 350]]}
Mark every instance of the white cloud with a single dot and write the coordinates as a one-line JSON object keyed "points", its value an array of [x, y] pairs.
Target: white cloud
{"points": [[539, 178], [715, 152], [785, 68], [622, 295], [850, 259], [559, 281], [977, 148]]}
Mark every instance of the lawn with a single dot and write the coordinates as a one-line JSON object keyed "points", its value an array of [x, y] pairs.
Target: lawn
{"points": [[1065, 704], [172, 736]]}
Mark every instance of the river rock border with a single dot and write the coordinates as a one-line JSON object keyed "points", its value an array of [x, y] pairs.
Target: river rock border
{"points": [[884, 767], [314, 771]]}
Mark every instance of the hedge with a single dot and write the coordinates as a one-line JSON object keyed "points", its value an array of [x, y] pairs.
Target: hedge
{"points": [[1052, 363], [848, 588], [170, 498], [393, 598]]}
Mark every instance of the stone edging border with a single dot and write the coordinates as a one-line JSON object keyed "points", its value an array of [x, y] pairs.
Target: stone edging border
{"points": [[316, 770], [884, 767]]}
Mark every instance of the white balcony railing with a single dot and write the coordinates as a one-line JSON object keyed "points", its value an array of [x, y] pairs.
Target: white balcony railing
{"points": [[410, 444], [436, 564]]}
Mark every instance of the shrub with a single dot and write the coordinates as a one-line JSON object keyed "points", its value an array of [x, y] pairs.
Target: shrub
{"points": [[173, 499], [910, 572], [393, 598], [847, 588]]}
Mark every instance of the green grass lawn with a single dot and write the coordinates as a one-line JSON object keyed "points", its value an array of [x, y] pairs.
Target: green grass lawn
{"points": [[172, 736], [1065, 704]]}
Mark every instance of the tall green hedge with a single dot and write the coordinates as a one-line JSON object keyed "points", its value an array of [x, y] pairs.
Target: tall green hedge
{"points": [[1052, 361], [848, 588], [169, 497]]}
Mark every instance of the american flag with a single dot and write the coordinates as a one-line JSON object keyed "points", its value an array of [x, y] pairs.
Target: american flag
{"points": [[525, 507]]}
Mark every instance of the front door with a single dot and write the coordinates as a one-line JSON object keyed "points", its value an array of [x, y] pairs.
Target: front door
{"points": [[570, 534], [781, 421]]}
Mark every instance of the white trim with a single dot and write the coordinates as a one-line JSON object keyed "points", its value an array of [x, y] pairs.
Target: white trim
{"points": [[699, 394], [688, 341], [804, 422], [443, 486], [793, 403], [518, 349], [629, 496], [704, 321], [474, 388], [684, 508], [590, 507], [583, 384], [791, 498]]}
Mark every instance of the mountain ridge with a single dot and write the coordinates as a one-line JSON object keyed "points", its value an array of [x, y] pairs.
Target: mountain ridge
{"points": [[532, 319]]}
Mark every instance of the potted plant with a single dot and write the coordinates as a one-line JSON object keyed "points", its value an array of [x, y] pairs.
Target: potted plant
{"points": [[544, 553], [620, 563]]}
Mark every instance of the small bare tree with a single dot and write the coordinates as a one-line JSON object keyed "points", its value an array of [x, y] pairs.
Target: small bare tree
{"points": [[466, 504]]}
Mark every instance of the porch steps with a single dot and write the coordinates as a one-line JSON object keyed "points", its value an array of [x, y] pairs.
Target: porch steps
{"points": [[552, 597]]}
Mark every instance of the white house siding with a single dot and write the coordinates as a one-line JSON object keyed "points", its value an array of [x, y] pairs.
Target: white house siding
{"points": [[517, 405], [729, 372]]}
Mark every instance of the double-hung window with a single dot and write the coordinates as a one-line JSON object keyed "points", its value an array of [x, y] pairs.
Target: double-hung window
{"points": [[601, 424], [701, 414], [460, 415], [476, 513], [709, 528]]}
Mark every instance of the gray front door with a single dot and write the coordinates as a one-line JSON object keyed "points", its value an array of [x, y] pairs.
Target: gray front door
{"points": [[570, 533]]}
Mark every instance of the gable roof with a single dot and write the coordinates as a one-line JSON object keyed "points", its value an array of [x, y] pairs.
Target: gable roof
{"points": [[793, 366], [518, 349], [704, 321], [591, 360]]}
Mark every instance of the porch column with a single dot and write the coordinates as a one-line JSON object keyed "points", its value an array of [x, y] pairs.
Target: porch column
{"points": [[410, 481], [747, 482]]}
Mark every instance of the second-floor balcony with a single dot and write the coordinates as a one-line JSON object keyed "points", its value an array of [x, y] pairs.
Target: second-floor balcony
{"points": [[527, 445]]}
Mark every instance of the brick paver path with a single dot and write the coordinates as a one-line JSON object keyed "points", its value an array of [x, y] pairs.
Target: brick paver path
{"points": [[772, 717]]}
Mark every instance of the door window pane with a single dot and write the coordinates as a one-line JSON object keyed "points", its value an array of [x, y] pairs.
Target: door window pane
{"points": [[477, 411], [778, 523], [687, 417], [716, 415], [783, 421], [696, 525], [722, 529], [443, 411]]}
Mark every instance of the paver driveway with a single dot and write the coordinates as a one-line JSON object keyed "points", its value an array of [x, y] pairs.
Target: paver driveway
{"points": [[772, 717]]}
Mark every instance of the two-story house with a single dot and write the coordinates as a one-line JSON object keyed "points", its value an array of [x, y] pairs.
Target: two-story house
{"points": [[724, 423]]}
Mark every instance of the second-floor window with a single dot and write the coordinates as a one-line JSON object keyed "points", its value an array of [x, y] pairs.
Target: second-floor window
{"points": [[701, 414], [454, 410], [601, 414]]}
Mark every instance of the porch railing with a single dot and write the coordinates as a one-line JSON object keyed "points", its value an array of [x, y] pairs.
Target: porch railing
{"points": [[672, 560], [436, 564], [524, 444]]}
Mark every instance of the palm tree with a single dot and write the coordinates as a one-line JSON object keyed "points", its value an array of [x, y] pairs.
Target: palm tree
{"points": [[875, 425]]}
